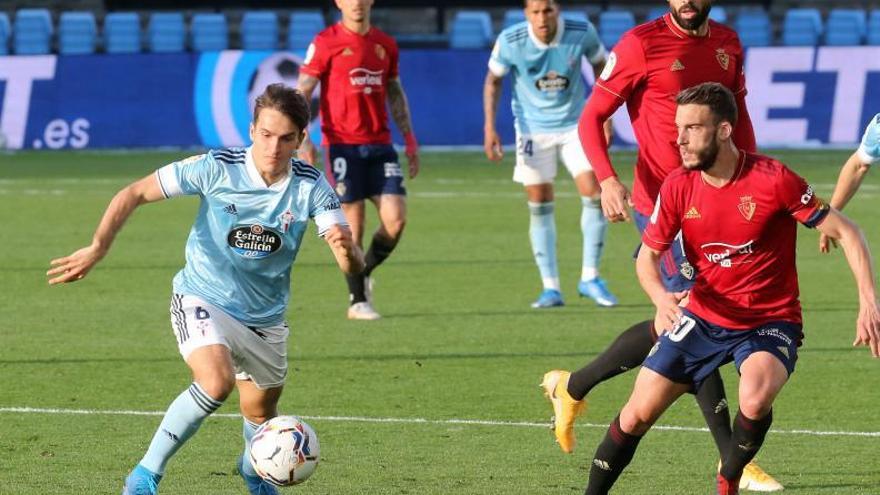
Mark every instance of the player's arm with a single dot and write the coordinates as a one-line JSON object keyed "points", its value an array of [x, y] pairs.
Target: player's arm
{"points": [[744, 132], [348, 255], [668, 312], [858, 255], [77, 265], [598, 66], [399, 106], [306, 84], [591, 128], [853, 173], [491, 96]]}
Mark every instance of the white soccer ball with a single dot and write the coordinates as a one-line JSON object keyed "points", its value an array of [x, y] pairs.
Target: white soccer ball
{"points": [[285, 451]]}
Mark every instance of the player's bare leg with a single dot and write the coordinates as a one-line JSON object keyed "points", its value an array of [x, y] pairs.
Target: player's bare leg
{"points": [[652, 394], [762, 376], [542, 235], [257, 406], [593, 227]]}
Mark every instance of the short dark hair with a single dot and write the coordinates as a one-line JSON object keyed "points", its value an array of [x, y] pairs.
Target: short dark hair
{"points": [[526, 3], [286, 100], [716, 96]]}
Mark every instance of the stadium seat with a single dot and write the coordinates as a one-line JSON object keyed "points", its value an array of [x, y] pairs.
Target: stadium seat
{"points": [[575, 15], [32, 32], [801, 27], [753, 26], [718, 14], [471, 29], [5, 30], [656, 12], [77, 33], [259, 30], [209, 32], [513, 16], [122, 33], [166, 32], [874, 27], [845, 27], [304, 25], [612, 25]]}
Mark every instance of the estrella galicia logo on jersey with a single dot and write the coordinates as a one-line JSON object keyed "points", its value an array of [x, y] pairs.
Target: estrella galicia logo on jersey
{"points": [[553, 82], [254, 241]]}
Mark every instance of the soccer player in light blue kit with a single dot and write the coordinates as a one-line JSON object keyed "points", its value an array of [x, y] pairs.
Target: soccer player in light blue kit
{"points": [[543, 56], [229, 300]]}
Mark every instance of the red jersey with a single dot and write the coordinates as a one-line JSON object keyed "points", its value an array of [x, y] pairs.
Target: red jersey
{"points": [[740, 237], [354, 71], [649, 66]]}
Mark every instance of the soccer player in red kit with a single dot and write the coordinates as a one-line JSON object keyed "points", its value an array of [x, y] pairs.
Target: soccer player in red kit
{"points": [[357, 66], [648, 67], [738, 215]]}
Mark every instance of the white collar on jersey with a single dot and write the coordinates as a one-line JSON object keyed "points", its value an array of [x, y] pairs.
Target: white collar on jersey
{"points": [[255, 176], [560, 28]]}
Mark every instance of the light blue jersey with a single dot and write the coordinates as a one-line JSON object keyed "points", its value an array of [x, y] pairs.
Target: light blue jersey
{"points": [[246, 234], [548, 87]]}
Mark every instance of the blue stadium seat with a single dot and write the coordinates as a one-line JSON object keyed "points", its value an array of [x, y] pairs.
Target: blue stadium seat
{"points": [[209, 32], [874, 27], [32, 32], [259, 30], [753, 27], [77, 33], [304, 25], [845, 27], [718, 14], [656, 12], [801, 27], [166, 32], [471, 29], [612, 25], [5, 31], [122, 33], [513, 16]]}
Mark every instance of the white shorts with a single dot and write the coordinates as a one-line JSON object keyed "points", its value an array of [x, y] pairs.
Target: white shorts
{"points": [[259, 354], [536, 156]]}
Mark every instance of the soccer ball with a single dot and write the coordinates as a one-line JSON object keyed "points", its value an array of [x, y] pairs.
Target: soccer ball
{"points": [[285, 451]]}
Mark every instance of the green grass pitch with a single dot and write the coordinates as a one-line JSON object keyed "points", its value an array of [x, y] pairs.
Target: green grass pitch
{"points": [[439, 397]]}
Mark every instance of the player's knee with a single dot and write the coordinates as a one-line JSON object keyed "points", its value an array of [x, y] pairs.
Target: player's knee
{"points": [[756, 406], [218, 385], [634, 423], [394, 228]]}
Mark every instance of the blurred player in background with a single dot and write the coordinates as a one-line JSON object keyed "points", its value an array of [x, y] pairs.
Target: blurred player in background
{"points": [[228, 306], [357, 66], [853, 172], [648, 67], [738, 213], [543, 56]]}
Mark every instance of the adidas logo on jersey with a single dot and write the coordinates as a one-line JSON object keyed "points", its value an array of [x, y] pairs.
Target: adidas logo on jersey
{"points": [[692, 214], [231, 209], [676, 66]]}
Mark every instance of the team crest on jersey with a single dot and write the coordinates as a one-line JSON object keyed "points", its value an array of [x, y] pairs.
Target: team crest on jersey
{"points": [[722, 57], [254, 241], [747, 207], [380, 51], [553, 82], [285, 218], [687, 270], [340, 188]]}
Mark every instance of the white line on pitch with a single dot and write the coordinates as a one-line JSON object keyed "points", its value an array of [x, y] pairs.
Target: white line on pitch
{"points": [[475, 422]]}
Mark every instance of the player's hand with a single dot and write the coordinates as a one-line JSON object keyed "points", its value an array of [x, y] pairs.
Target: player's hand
{"points": [[307, 152], [615, 200], [825, 243], [413, 163], [668, 313], [492, 145], [868, 327], [346, 252], [74, 267]]}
